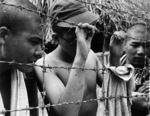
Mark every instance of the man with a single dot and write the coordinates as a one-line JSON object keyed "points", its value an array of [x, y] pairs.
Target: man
{"points": [[73, 51], [136, 46], [20, 41]]}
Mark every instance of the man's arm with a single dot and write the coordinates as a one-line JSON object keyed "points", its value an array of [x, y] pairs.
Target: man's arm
{"points": [[100, 72]]}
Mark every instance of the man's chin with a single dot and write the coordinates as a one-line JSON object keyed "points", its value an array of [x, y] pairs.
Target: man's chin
{"points": [[139, 65]]}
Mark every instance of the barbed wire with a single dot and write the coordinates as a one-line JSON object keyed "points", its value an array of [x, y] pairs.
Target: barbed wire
{"points": [[41, 13], [74, 102], [49, 67], [67, 68], [62, 67]]}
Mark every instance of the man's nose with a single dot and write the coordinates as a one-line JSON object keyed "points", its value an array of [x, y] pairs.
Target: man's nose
{"points": [[39, 52], [141, 50]]}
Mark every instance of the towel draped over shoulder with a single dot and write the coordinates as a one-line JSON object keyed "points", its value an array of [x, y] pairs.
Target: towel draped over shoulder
{"points": [[118, 84], [19, 98]]}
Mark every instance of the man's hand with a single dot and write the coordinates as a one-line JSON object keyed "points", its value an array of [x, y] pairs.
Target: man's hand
{"points": [[84, 33], [145, 88], [116, 43], [116, 47]]}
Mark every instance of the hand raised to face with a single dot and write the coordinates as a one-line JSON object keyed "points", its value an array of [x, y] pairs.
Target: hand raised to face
{"points": [[84, 33]]}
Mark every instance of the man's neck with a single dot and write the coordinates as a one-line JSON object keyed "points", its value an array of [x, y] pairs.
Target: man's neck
{"points": [[61, 54], [136, 66]]}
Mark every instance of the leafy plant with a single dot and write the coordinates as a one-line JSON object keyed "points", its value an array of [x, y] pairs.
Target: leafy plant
{"points": [[120, 13]]}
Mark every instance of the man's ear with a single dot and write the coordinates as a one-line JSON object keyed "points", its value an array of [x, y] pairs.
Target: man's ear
{"points": [[55, 38], [3, 34]]}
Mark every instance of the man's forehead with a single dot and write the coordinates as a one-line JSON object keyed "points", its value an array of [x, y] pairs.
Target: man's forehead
{"points": [[35, 29], [139, 39], [139, 35]]}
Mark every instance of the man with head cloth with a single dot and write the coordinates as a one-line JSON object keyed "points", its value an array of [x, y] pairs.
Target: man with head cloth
{"points": [[20, 41]]}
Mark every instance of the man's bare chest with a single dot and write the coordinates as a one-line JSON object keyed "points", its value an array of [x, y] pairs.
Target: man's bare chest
{"points": [[64, 74]]}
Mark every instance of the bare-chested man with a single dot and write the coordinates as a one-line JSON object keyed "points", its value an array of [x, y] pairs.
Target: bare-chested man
{"points": [[63, 85]]}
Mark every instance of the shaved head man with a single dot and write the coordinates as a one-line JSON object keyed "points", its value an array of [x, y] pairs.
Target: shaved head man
{"points": [[136, 46], [20, 41]]}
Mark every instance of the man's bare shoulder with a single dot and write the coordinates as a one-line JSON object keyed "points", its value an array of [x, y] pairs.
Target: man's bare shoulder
{"points": [[47, 60], [93, 56]]}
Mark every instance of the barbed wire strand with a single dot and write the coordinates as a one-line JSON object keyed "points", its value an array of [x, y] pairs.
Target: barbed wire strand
{"points": [[73, 102], [62, 67], [41, 13], [50, 67]]}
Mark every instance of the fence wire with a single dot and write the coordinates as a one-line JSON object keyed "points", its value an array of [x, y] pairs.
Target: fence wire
{"points": [[44, 66]]}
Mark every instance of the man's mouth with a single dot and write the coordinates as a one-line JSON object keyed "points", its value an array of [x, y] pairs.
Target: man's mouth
{"points": [[139, 60]]}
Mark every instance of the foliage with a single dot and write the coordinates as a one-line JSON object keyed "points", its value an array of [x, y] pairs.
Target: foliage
{"points": [[122, 13]]}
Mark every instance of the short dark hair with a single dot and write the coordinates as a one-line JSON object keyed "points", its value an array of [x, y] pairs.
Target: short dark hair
{"points": [[137, 27], [14, 18]]}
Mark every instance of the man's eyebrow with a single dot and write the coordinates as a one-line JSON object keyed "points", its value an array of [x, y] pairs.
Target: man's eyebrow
{"points": [[146, 43], [136, 38], [37, 37], [135, 42]]}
